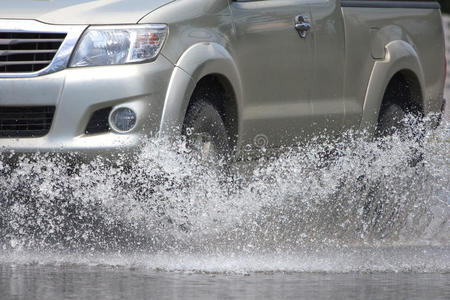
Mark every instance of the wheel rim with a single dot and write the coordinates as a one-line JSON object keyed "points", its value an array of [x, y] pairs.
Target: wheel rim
{"points": [[203, 143]]}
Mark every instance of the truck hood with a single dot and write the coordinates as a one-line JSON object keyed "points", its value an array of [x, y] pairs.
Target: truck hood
{"points": [[79, 11]]}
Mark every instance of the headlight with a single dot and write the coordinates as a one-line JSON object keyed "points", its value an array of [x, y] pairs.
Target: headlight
{"points": [[116, 45]]}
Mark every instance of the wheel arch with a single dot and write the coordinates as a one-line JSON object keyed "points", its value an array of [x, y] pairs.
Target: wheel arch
{"points": [[200, 62], [401, 60]]}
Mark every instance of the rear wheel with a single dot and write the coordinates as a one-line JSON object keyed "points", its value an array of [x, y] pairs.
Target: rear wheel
{"points": [[392, 120], [401, 111], [408, 125]]}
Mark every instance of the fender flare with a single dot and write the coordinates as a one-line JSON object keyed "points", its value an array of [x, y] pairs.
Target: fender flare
{"points": [[400, 56], [196, 62]]}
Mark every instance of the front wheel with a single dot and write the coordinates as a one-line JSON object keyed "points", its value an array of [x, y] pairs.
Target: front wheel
{"points": [[205, 131]]}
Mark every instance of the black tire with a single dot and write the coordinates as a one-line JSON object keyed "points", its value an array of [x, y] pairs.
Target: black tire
{"points": [[205, 131], [396, 120], [391, 120]]}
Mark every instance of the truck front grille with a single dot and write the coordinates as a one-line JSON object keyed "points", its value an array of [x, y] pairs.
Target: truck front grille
{"points": [[22, 52], [25, 121]]}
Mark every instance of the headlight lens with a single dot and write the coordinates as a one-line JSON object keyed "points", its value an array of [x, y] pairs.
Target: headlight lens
{"points": [[116, 45]]}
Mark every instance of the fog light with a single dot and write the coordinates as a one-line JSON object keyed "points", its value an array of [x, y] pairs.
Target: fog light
{"points": [[122, 119]]}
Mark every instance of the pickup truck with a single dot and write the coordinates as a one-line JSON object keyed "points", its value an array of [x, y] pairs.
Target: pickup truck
{"points": [[100, 76]]}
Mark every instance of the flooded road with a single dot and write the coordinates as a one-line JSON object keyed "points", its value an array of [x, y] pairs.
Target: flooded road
{"points": [[75, 282], [367, 223]]}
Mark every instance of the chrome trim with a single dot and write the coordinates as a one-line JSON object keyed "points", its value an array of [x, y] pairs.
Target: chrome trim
{"points": [[62, 56]]}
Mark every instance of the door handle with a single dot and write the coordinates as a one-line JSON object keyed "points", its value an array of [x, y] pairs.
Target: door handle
{"points": [[302, 25]]}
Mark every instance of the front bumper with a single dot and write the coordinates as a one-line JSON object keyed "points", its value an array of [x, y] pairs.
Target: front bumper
{"points": [[77, 93]]}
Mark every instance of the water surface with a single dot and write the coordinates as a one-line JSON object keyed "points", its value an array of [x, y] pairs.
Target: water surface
{"points": [[342, 219]]}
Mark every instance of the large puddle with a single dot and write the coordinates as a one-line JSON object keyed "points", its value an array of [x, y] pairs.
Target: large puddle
{"points": [[368, 208]]}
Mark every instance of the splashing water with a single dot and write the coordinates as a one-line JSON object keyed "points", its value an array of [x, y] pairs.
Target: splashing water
{"points": [[367, 208]]}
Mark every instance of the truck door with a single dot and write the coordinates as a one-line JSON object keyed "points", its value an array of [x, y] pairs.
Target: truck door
{"points": [[327, 33], [274, 53]]}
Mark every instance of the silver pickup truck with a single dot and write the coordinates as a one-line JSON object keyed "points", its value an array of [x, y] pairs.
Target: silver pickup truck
{"points": [[96, 76]]}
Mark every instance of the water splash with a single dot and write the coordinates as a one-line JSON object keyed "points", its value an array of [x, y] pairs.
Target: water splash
{"points": [[293, 206]]}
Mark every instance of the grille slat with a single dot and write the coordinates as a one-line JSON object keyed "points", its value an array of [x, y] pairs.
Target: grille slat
{"points": [[14, 115], [19, 63], [28, 41], [16, 52], [34, 118], [27, 52], [26, 121]]}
